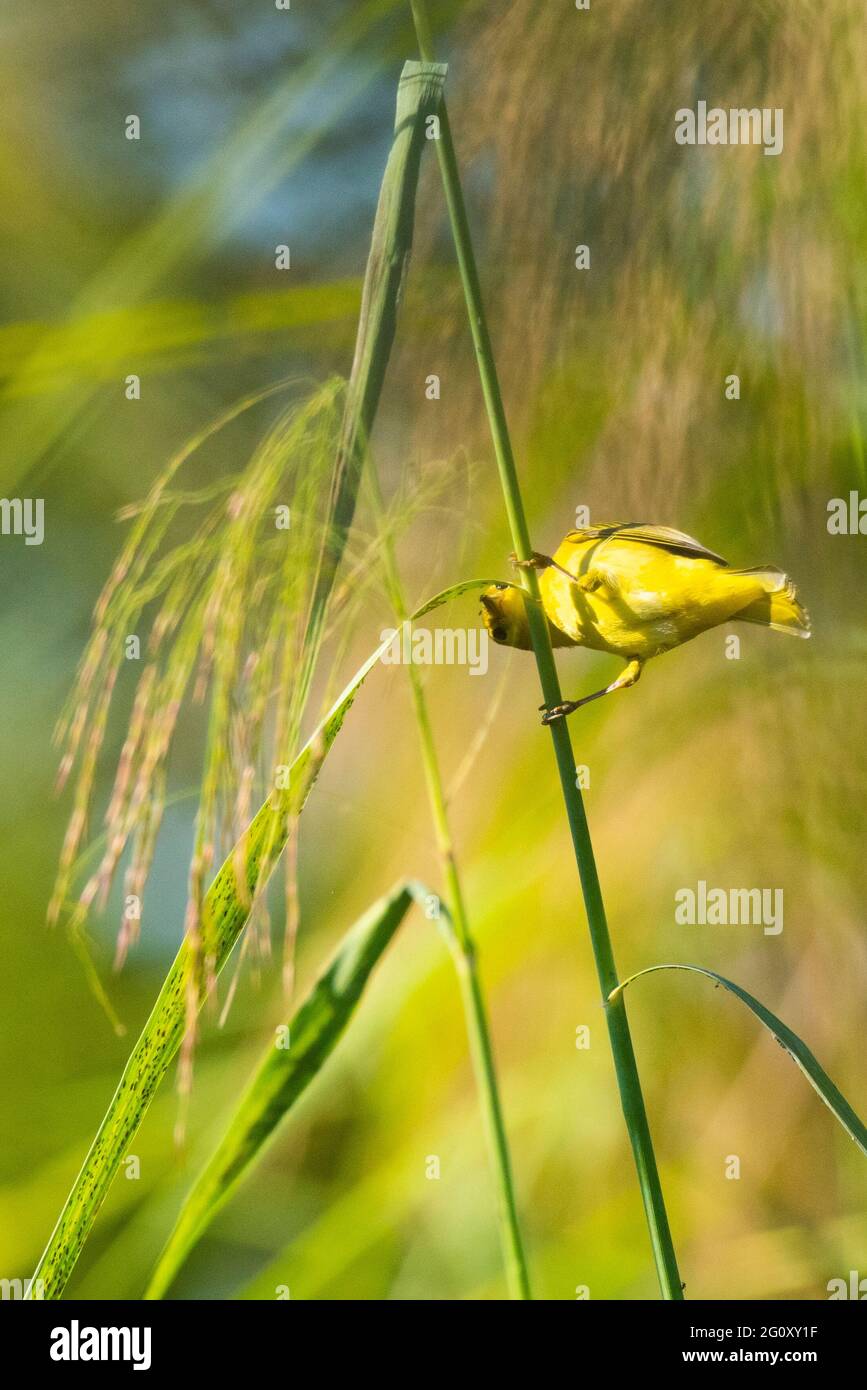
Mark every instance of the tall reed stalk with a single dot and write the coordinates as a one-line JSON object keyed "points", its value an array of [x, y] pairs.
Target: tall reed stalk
{"points": [[460, 937], [625, 1064], [419, 94]]}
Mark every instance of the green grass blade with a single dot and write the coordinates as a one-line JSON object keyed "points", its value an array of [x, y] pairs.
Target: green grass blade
{"points": [[225, 912], [282, 1075], [798, 1050], [419, 94]]}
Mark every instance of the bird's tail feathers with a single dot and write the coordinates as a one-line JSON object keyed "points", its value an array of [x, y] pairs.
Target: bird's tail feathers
{"points": [[779, 607]]}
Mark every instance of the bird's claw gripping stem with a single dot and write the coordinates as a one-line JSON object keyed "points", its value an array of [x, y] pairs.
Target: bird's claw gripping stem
{"points": [[536, 561], [628, 676], [554, 712]]}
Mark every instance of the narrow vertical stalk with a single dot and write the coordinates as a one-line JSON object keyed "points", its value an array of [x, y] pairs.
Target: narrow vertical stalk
{"points": [[461, 941], [625, 1064]]}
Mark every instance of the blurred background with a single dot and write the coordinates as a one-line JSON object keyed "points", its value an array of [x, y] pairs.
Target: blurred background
{"points": [[262, 127]]}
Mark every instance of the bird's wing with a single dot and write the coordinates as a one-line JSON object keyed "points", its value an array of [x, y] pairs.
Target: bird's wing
{"points": [[666, 537]]}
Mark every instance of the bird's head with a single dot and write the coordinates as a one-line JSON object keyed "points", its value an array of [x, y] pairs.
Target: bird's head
{"points": [[505, 617]]}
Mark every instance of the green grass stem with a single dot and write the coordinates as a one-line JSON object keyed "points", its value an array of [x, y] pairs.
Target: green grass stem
{"points": [[625, 1064], [460, 939]]}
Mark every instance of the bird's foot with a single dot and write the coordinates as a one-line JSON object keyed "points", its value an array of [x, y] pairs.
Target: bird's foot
{"points": [[554, 712], [536, 561], [628, 676]]}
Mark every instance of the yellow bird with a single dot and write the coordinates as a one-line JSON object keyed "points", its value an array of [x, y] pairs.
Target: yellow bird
{"points": [[637, 591]]}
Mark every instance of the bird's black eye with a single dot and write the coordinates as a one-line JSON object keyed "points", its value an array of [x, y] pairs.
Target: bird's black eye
{"points": [[501, 586], [498, 634]]}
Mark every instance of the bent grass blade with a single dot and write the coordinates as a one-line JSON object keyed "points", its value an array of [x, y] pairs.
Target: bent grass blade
{"points": [[419, 94], [226, 910], [283, 1074], [789, 1041]]}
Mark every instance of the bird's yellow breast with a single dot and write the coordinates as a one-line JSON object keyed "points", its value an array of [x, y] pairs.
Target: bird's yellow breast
{"points": [[637, 599]]}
